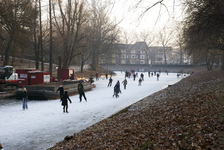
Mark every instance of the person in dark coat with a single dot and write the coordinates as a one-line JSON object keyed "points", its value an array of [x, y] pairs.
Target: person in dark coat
{"points": [[64, 103], [140, 82], [157, 76], [61, 91], [25, 98], [134, 75], [117, 89], [81, 91], [142, 76], [106, 75], [110, 82], [125, 82]]}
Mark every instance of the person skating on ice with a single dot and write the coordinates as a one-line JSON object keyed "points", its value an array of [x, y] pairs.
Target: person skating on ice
{"points": [[110, 82], [81, 91], [125, 82], [25, 98], [64, 103], [61, 91]]}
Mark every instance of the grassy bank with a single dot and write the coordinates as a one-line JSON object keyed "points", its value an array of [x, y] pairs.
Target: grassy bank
{"points": [[188, 115]]}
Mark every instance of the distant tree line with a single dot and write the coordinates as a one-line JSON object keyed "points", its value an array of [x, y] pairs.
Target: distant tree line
{"points": [[204, 31], [74, 29]]}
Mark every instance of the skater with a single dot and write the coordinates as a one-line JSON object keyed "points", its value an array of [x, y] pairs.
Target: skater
{"points": [[140, 82], [110, 82], [81, 91], [25, 98], [125, 82], [157, 76], [134, 75], [117, 89], [64, 102], [152, 74], [106, 75], [142, 76], [97, 76], [149, 73], [61, 90]]}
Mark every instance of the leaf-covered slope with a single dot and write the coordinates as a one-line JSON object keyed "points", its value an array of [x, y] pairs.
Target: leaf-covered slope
{"points": [[188, 115]]}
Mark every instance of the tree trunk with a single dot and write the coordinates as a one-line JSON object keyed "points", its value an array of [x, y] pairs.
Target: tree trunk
{"points": [[1, 48], [41, 41], [165, 57], [94, 61], [222, 61], [50, 64], [82, 61], [6, 61], [35, 41]]}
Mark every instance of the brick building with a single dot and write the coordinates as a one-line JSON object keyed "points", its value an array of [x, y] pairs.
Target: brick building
{"points": [[137, 53], [140, 53]]}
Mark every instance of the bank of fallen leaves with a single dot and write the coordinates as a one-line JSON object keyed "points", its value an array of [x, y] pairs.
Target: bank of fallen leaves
{"points": [[188, 115]]}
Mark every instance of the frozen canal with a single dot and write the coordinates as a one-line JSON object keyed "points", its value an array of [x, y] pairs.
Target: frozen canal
{"points": [[44, 124]]}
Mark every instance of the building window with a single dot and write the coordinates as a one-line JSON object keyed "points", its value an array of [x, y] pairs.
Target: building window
{"points": [[132, 61], [114, 61], [123, 51], [132, 56], [123, 62], [133, 51], [142, 56], [117, 56], [142, 62], [123, 56]]}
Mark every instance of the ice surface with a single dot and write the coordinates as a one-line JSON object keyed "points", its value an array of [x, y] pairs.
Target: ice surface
{"points": [[44, 123]]}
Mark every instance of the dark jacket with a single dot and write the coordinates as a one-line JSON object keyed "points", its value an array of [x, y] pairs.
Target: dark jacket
{"points": [[25, 95], [61, 90], [117, 88], [125, 82], [80, 88], [65, 100]]}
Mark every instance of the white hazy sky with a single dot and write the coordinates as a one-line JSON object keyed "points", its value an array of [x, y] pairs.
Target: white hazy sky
{"points": [[153, 20]]}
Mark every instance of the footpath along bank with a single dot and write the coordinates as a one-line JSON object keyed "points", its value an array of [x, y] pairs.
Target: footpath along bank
{"points": [[187, 115]]}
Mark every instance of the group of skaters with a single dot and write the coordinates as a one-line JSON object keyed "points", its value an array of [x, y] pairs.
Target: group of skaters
{"points": [[64, 96], [127, 75]]}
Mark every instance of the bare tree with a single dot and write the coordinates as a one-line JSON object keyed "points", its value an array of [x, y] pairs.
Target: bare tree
{"points": [[68, 24], [204, 27], [41, 37], [149, 38], [165, 37], [17, 20], [104, 32]]}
